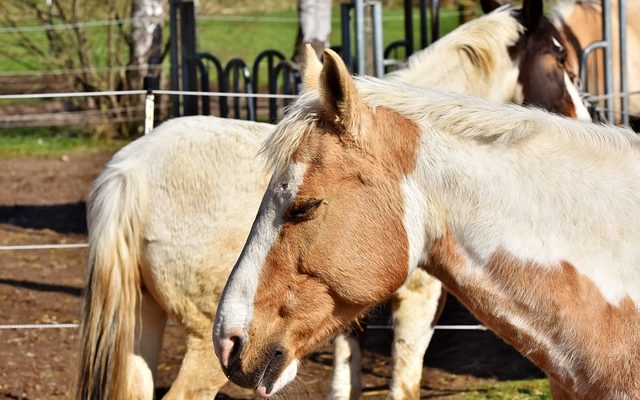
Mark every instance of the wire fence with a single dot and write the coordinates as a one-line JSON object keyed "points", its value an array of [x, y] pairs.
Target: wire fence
{"points": [[369, 327], [44, 246], [218, 18], [69, 71], [25, 96]]}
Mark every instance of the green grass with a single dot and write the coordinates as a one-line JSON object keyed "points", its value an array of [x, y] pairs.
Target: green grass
{"points": [[49, 141], [511, 390], [225, 39]]}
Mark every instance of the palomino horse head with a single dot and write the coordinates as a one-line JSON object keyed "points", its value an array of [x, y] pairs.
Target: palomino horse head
{"points": [[296, 283], [545, 76]]}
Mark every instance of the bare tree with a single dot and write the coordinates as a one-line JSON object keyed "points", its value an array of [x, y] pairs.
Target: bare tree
{"points": [[111, 57]]}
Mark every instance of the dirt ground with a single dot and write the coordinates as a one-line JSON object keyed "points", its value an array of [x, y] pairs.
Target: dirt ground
{"points": [[41, 201]]}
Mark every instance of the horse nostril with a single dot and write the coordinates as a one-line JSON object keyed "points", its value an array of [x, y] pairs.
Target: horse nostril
{"points": [[229, 347], [236, 349]]}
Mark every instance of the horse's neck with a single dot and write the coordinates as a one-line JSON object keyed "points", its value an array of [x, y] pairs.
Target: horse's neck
{"points": [[448, 71], [530, 242]]}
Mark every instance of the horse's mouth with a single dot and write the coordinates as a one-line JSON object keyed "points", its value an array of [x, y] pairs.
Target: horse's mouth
{"points": [[276, 376], [265, 379], [271, 373]]}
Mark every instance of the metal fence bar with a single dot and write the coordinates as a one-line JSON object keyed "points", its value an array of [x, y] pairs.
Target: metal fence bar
{"points": [[608, 56], [360, 44], [378, 43], [622, 20]]}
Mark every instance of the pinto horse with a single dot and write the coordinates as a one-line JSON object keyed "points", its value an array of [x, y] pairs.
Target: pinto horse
{"points": [[528, 218], [170, 214]]}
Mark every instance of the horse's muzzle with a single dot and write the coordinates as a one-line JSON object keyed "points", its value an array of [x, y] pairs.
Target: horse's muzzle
{"points": [[264, 375]]}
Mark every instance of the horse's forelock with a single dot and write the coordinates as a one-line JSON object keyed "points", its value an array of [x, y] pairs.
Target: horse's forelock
{"points": [[299, 119]]}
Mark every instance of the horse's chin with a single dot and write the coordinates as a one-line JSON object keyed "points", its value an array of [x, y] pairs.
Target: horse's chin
{"points": [[285, 378]]}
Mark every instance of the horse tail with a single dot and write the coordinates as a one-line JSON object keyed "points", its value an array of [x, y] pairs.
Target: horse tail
{"points": [[115, 211]]}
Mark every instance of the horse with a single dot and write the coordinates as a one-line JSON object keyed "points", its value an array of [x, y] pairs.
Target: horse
{"points": [[527, 218], [152, 237], [580, 24]]}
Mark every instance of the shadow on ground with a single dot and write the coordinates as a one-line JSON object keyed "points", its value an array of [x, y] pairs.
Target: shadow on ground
{"points": [[42, 287], [63, 218]]}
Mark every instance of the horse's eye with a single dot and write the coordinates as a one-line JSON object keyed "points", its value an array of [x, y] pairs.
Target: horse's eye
{"points": [[559, 50], [562, 57], [303, 211]]}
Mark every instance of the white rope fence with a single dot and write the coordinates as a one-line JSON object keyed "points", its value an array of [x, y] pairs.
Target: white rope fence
{"points": [[38, 326], [25, 96], [44, 247], [371, 327]]}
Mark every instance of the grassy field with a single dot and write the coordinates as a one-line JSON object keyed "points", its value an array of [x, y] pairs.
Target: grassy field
{"points": [[226, 36], [49, 142], [537, 389]]}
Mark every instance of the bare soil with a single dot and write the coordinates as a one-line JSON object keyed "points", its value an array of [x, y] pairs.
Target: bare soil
{"points": [[42, 201]]}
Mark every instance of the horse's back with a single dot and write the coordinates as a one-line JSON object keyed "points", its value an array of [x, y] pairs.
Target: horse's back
{"points": [[205, 184]]}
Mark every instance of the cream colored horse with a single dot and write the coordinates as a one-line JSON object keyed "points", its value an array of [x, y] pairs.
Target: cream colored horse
{"points": [[169, 215], [528, 218]]}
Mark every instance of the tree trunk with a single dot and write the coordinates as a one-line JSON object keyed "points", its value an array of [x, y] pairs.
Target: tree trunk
{"points": [[146, 35], [314, 27]]}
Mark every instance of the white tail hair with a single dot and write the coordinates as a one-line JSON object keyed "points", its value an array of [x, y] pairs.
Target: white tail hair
{"points": [[115, 211]]}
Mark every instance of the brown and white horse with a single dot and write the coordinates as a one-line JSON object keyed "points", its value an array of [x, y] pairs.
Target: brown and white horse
{"points": [[580, 24], [170, 214], [528, 218]]}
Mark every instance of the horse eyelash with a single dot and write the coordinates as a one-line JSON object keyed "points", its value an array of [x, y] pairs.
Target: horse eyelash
{"points": [[299, 212]]}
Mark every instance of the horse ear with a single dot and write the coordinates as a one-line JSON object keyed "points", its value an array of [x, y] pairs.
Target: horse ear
{"points": [[338, 93], [490, 5], [312, 69], [532, 11]]}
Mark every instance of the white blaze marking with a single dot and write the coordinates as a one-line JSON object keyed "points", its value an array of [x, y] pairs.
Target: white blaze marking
{"points": [[235, 309], [581, 110]]}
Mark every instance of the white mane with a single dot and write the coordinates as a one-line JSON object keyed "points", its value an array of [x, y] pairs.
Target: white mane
{"points": [[463, 116], [465, 59], [483, 121]]}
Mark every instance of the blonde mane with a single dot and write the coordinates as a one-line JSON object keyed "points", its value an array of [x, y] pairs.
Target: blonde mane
{"points": [[470, 49], [462, 116]]}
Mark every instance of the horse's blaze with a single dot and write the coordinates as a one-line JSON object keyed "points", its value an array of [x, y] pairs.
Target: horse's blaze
{"points": [[305, 294], [525, 291]]}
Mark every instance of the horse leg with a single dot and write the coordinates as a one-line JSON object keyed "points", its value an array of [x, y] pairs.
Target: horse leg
{"points": [[347, 365], [200, 376], [415, 306], [150, 323]]}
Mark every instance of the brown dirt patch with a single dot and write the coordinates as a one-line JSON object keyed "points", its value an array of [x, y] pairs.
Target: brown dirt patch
{"points": [[41, 201]]}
